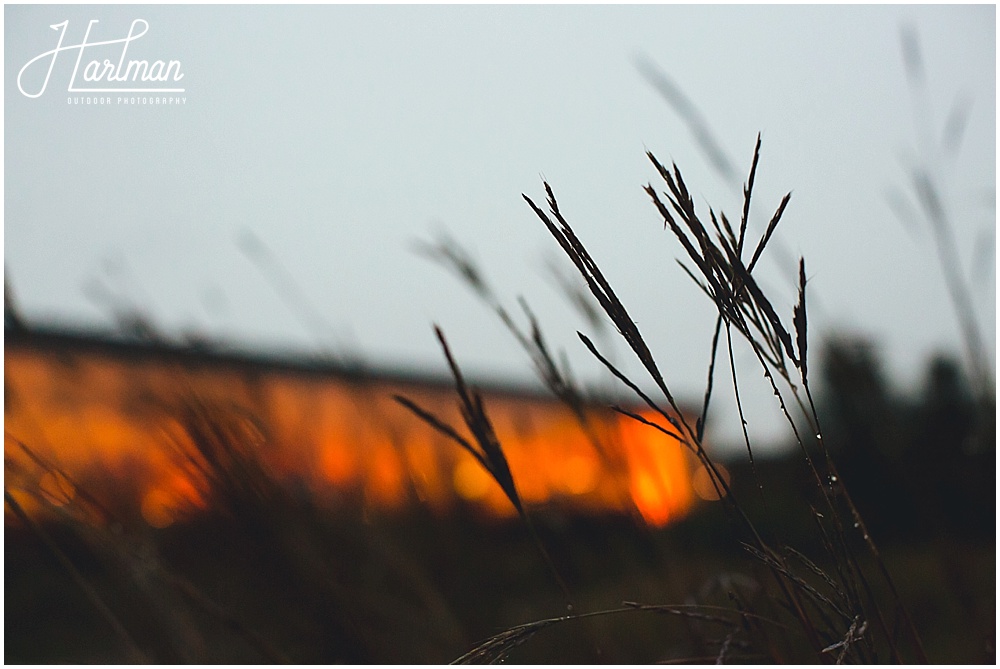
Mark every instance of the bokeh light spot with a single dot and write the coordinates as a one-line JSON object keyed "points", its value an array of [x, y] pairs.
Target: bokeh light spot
{"points": [[471, 480]]}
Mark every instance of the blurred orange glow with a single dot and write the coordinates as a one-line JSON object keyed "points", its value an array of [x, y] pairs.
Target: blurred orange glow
{"points": [[119, 427]]}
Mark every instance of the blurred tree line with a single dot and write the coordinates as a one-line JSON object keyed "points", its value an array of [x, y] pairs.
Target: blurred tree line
{"points": [[919, 465]]}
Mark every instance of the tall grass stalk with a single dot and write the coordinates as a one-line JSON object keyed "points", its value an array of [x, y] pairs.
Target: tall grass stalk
{"points": [[927, 186], [485, 447], [558, 378], [835, 609]]}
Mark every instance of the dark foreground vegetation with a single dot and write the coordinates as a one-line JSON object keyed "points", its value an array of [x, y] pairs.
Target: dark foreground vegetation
{"points": [[307, 586], [415, 590]]}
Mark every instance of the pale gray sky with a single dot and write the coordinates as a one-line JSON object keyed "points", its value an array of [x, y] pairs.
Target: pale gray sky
{"points": [[339, 135]]}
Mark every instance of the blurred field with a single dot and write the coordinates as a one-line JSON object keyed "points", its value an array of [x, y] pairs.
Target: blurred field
{"points": [[415, 589]]}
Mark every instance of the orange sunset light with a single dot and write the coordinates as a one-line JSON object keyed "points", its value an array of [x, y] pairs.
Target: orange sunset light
{"points": [[115, 423]]}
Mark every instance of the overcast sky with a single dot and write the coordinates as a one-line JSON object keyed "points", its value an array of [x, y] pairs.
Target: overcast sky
{"points": [[337, 136]]}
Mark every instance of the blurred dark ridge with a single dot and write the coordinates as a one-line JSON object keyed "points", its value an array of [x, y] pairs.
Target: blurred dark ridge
{"points": [[125, 346]]}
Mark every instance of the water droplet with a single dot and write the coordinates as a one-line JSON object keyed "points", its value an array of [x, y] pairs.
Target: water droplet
{"points": [[857, 525], [833, 479], [569, 607]]}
